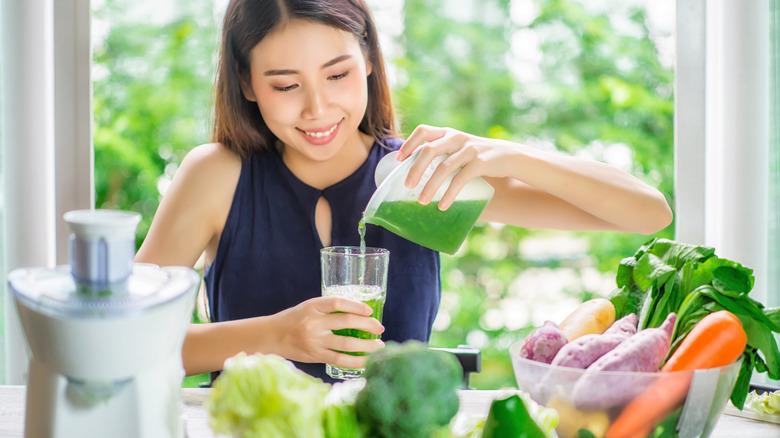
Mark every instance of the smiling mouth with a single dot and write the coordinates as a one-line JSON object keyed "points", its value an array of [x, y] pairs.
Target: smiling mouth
{"points": [[321, 134]]}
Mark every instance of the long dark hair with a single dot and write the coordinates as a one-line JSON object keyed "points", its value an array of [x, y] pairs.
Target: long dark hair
{"points": [[237, 121]]}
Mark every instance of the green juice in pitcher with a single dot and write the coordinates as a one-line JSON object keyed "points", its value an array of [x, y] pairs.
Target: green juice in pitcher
{"points": [[426, 225]]}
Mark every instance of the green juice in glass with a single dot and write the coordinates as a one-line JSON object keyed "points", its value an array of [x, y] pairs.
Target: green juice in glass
{"points": [[428, 226], [373, 296]]}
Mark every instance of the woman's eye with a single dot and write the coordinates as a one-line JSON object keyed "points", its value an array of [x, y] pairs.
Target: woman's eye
{"points": [[338, 76], [287, 88]]}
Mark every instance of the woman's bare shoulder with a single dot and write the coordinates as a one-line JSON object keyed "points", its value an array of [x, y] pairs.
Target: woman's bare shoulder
{"points": [[214, 156], [210, 167]]}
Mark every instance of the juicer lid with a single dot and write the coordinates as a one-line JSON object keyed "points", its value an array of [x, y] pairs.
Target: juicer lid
{"points": [[107, 224], [55, 292]]}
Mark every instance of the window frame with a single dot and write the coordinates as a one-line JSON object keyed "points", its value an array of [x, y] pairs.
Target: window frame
{"points": [[47, 158], [722, 115]]}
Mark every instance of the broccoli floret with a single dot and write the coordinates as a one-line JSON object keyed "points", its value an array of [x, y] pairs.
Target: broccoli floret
{"points": [[410, 392]]}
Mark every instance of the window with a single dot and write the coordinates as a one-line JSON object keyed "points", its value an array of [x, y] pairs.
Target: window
{"points": [[727, 137], [773, 299], [773, 292], [718, 126]]}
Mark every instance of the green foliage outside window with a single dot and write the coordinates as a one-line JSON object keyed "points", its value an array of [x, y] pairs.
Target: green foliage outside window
{"points": [[152, 95], [598, 91]]}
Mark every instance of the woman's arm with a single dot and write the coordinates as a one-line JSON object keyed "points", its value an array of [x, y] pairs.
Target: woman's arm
{"points": [[535, 188]]}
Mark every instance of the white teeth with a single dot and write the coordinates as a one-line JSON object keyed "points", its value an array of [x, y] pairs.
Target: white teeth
{"points": [[323, 133]]}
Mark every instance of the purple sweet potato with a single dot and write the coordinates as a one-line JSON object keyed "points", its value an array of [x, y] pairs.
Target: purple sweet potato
{"points": [[642, 352], [625, 326], [543, 343], [585, 350]]}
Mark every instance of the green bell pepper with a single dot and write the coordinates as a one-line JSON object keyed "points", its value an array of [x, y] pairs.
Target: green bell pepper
{"points": [[509, 418]]}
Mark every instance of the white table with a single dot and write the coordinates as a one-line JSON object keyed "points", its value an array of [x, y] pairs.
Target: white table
{"points": [[473, 402]]}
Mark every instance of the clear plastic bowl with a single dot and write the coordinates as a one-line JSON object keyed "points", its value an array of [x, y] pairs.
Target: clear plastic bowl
{"points": [[595, 402]]}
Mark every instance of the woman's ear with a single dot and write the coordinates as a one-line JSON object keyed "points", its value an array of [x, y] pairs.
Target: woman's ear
{"points": [[245, 80], [369, 67]]}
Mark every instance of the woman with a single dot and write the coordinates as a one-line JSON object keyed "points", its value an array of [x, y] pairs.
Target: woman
{"points": [[303, 115]]}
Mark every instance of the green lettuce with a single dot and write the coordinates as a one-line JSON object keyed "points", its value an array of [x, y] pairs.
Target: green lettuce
{"points": [[340, 419], [766, 403], [266, 396]]}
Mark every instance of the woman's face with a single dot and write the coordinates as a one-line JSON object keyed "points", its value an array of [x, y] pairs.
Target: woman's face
{"points": [[309, 81]]}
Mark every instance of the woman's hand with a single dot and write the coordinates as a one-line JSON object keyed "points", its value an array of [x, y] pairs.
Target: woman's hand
{"points": [[305, 332], [474, 156]]}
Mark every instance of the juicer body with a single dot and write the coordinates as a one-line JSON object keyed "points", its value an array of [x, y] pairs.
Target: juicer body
{"points": [[107, 375]]}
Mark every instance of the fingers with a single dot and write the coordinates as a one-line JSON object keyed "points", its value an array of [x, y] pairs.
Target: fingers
{"points": [[468, 172], [339, 321], [339, 304], [444, 142], [341, 344], [351, 344], [344, 360], [456, 151], [340, 358], [336, 345], [421, 134], [450, 167]]}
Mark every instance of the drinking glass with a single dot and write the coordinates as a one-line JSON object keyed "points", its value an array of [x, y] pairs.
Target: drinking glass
{"points": [[359, 276]]}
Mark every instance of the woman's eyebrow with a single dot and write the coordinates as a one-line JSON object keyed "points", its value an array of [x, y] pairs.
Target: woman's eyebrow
{"points": [[282, 72]]}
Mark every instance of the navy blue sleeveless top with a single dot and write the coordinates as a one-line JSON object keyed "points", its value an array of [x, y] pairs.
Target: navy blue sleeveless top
{"points": [[268, 258]]}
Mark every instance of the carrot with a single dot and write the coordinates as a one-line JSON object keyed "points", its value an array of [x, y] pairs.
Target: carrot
{"points": [[716, 340], [660, 399]]}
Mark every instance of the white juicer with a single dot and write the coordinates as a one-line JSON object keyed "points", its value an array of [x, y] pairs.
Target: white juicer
{"points": [[105, 336]]}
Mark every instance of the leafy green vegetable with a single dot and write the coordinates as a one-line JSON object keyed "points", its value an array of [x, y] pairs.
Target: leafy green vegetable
{"points": [[340, 421], [665, 276], [265, 395], [766, 403], [340, 418], [410, 392]]}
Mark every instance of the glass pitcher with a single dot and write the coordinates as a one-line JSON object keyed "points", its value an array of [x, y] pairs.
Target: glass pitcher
{"points": [[395, 207]]}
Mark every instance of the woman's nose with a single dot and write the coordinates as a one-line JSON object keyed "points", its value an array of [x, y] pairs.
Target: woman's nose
{"points": [[315, 104]]}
